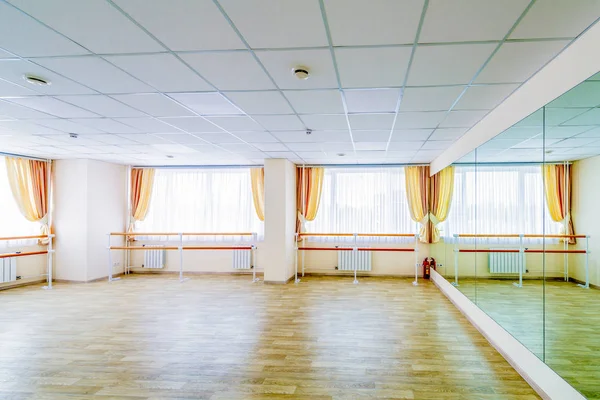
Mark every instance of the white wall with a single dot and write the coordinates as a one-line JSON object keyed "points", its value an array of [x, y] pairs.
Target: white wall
{"points": [[90, 201]]}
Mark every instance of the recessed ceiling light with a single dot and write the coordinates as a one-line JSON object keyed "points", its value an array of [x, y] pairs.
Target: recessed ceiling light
{"points": [[549, 151], [36, 80], [341, 154], [301, 73], [170, 156]]}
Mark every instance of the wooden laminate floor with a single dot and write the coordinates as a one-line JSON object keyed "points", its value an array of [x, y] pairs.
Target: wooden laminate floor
{"points": [[222, 337], [560, 323]]}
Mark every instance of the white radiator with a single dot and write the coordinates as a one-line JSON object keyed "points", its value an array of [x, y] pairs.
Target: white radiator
{"points": [[154, 258], [349, 260], [505, 263], [242, 259], [8, 269]]}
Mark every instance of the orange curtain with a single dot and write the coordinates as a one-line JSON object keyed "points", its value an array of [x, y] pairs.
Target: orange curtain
{"points": [[142, 181], [417, 192], [309, 185], [28, 181], [257, 179], [440, 198], [557, 188]]}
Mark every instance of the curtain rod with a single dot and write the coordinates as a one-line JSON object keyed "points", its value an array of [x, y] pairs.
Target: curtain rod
{"points": [[3, 154], [513, 163]]}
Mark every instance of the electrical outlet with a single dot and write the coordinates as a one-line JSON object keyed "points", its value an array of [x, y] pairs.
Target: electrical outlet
{"points": [[116, 264], [440, 265]]}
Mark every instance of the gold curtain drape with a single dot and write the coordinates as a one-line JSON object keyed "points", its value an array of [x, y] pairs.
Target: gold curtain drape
{"points": [[309, 184], [417, 192], [142, 182], [257, 177], [557, 188], [28, 180], [440, 198]]}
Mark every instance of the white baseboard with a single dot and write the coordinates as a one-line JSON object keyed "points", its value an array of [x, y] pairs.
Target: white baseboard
{"points": [[547, 383]]}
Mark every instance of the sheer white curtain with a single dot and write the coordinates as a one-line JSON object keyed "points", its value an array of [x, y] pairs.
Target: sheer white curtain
{"points": [[498, 199], [363, 200], [12, 222], [202, 200]]}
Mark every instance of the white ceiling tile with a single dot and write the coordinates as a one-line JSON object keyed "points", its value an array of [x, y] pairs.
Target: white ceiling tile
{"points": [[535, 143], [184, 25], [517, 132], [591, 117], [53, 106], [106, 125], [236, 70], [285, 24], [109, 149], [282, 154], [76, 151], [320, 146], [516, 62], [207, 103], [448, 64], [408, 135], [470, 20], [143, 138], [161, 71], [95, 73], [19, 112], [372, 67], [102, 105], [318, 136], [419, 120], [374, 156], [218, 137], [371, 146], [556, 18], [405, 145], [372, 100], [463, 118], [430, 98], [239, 147], [325, 121], [499, 144], [437, 144], [280, 122], [23, 127], [371, 136], [586, 94], [425, 156], [261, 102], [271, 146], [85, 23], [564, 132], [192, 124], [236, 123], [311, 154], [147, 125], [9, 89], [205, 148], [110, 139], [181, 138], [13, 71], [5, 54], [280, 63], [316, 101], [574, 142], [588, 133], [447, 133], [371, 121], [484, 97], [66, 126], [22, 35], [256, 137], [356, 22], [173, 148], [61, 140], [157, 105]]}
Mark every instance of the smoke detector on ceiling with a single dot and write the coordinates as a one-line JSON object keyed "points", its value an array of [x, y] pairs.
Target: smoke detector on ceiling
{"points": [[73, 135], [36, 80], [301, 73]]}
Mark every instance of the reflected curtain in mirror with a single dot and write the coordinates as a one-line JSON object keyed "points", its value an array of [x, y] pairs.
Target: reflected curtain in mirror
{"points": [[29, 187], [417, 192], [257, 178], [557, 188], [440, 199], [309, 185], [142, 181]]}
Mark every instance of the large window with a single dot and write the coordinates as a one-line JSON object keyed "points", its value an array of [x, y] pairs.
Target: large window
{"points": [[363, 200], [202, 200], [12, 222], [499, 200]]}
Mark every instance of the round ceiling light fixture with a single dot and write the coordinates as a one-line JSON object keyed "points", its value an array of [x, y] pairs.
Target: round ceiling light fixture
{"points": [[301, 73], [36, 80]]}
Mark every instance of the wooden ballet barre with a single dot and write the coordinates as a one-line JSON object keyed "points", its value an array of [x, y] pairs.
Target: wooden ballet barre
{"points": [[555, 251], [183, 234], [23, 254], [489, 251], [515, 235], [359, 234], [25, 237], [143, 248], [358, 249], [217, 248], [556, 236]]}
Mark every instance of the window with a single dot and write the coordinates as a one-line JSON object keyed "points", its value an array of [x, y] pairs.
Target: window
{"points": [[202, 200], [12, 222], [362, 200], [497, 200]]}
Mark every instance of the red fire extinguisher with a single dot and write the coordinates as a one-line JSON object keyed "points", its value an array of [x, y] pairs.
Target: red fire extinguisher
{"points": [[428, 264]]}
